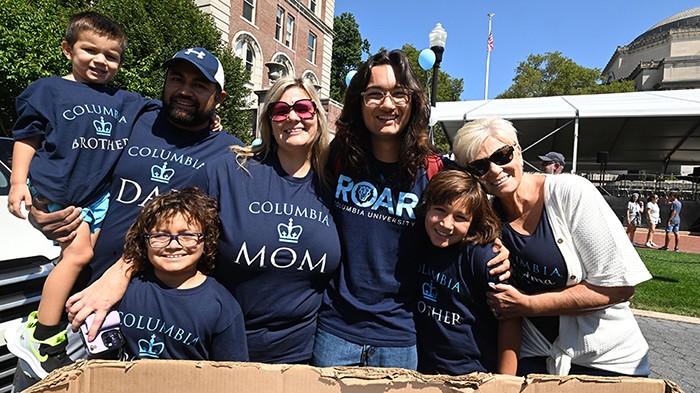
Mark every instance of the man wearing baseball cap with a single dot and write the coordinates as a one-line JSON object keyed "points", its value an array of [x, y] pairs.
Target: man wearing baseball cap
{"points": [[167, 148], [187, 105], [552, 163]]}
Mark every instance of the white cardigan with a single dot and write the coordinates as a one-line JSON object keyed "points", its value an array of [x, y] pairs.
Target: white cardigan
{"points": [[596, 250]]}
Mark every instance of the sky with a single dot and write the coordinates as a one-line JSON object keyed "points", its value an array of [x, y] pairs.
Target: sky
{"points": [[586, 31]]}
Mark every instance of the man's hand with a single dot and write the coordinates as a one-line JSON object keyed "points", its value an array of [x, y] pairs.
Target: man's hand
{"points": [[60, 225], [99, 298]]}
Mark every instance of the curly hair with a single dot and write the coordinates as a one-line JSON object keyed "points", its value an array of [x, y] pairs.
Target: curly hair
{"points": [[458, 187], [319, 153], [353, 138], [196, 207]]}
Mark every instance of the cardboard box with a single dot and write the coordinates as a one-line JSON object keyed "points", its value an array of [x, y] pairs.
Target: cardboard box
{"points": [[166, 376]]}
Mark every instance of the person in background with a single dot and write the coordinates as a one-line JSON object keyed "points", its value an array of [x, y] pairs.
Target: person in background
{"points": [[63, 141], [552, 163], [381, 160], [633, 215], [574, 271], [172, 247], [654, 218], [674, 221], [457, 333]]}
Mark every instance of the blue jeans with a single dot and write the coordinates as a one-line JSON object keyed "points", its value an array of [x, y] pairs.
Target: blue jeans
{"points": [[331, 350]]}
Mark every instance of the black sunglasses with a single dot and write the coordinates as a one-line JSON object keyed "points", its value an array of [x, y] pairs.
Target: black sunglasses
{"points": [[500, 157], [279, 110]]}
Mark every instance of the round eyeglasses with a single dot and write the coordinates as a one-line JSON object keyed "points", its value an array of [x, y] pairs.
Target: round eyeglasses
{"points": [[162, 240], [500, 157], [373, 98], [279, 110]]}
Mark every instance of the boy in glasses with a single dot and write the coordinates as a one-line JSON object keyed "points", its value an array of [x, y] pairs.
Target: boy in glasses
{"points": [[172, 309]]}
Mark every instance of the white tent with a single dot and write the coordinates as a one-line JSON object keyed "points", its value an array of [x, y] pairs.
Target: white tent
{"points": [[642, 130]]}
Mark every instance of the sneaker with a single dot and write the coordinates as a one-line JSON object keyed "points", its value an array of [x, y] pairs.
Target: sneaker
{"points": [[664, 248], [654, 244], [676, 249], [648, 244], [36, 354]]}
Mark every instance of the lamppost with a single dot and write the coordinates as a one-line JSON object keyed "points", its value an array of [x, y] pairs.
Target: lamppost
{"points": [[438, 37]]}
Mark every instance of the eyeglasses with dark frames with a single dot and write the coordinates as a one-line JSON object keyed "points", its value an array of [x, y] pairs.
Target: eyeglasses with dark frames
{"points": [[279, 110], [373, 97], [500, 157], [162, 240]]}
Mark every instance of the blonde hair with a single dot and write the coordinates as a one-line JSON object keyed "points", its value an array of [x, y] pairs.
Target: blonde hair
{"points": [[472, 135], [319, 149]]}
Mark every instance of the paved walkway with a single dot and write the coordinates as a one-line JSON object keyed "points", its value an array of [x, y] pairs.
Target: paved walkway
{"points": [[673, 347], [687, 242], [673, 340]]}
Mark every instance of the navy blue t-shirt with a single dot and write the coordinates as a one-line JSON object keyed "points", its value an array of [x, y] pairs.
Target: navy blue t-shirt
{"points": [[538, 266], [457, 334], [84, 128], [200, 323], [372, 296], [277, 250], [158, 159]]}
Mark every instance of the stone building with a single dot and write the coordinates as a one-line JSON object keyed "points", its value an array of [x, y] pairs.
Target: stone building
{"points": [[279, 37], [665, 57]]}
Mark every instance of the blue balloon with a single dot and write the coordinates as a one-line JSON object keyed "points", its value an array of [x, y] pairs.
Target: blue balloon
{"points": [[349, 77], [426, 59]]}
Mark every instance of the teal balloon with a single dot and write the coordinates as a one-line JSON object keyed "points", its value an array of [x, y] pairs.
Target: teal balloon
{"points": [[349, 77], [426, 59]]}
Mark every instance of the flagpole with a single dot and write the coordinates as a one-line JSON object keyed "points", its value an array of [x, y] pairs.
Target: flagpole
{"points": [[489, 48]]}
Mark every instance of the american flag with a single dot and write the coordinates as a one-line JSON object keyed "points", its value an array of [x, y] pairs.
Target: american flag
{"points": [[489, 43]]}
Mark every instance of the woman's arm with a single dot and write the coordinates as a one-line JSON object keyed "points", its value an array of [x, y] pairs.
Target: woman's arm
{"points": [[508, 302], [99, 297]]}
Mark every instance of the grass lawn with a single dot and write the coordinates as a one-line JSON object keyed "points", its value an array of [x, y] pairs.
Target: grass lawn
{"points": [[675, 288]]}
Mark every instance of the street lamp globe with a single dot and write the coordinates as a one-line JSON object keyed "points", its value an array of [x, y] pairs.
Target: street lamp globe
{"points": [[438, 37]]}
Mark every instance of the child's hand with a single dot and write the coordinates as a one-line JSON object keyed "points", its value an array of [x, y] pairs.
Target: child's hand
{"points": [[500, 264], [215, 123], [19, 195]]}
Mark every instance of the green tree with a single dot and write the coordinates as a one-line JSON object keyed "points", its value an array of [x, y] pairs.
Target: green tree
{"points": [[31, 33], [448, 89], [348, 49], [552, 74]]}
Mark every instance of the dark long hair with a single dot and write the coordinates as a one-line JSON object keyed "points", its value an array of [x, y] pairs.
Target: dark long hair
{"points": [[353, 139]]}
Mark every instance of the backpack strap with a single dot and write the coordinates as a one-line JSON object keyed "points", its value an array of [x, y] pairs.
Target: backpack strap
{"points": [[433, 165]]}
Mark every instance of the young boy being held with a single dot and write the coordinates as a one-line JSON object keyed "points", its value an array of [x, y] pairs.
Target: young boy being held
{"points": [[457, 333], [72, 131], [171, 309]]}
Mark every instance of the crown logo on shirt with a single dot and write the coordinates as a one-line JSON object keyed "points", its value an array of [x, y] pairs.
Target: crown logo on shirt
{"points": [[151, 348], [102, 127], [289, 233], [429, 291], [162, 174]]}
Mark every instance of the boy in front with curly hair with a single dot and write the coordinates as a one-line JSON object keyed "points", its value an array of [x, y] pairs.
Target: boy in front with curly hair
{"points": [[172, 309]]}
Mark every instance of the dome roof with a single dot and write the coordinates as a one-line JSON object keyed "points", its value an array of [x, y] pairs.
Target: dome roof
{"points": [[693, 12], [682, 20]]}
